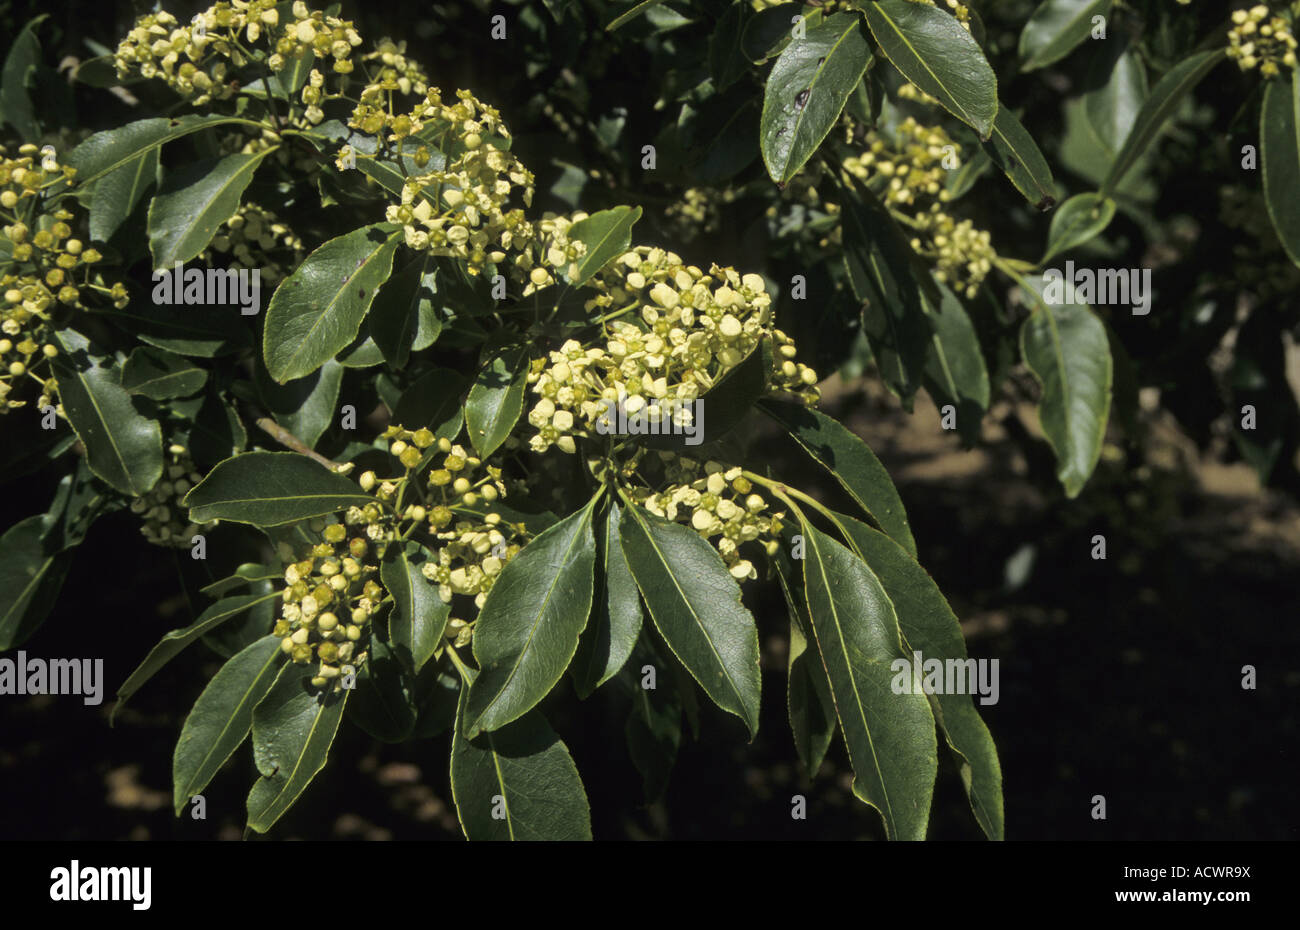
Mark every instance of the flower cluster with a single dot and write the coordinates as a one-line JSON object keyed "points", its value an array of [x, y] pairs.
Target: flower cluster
{"points": [[164, 522], [460, 209], [697, 213], [690, 330], [916, 163], [46, 266], [196, 59], [962, 255], [255, 238], [1258, 40], [718, 502], [545, 251], [331, 595]]}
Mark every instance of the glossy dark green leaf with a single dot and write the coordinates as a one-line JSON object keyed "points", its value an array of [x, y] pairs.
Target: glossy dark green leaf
{"points": [[306, 406], [193, 202], [887, 280], [528, 628], [496, 398], [616, 618], [270, 489], [890, 737], [1055, 28], [436, 693], [317, 311], [1013, 149], [929, 625], [517, 783], [955, 367], [116, 195], [216, 433], [31, 575], [221, 717], [810, 705], [404, 304], [807, 90], [160, 375], [606, 235], [419, 617], [852, 463], [173, 643], [123, 447], [383, 705], [16, 108], [1081, 218], [936, 54], [771, 29], [1279, 135], [727, 62], [695, 604], [1159, 106], [1117, 82], [293, 728], [1065, 346], [105, 152], [194, 331]]}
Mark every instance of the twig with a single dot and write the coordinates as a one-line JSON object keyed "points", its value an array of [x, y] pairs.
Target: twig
{"points": [[286, 438]]}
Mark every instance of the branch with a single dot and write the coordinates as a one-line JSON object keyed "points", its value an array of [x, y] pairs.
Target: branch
{"points": [[286, 438]]}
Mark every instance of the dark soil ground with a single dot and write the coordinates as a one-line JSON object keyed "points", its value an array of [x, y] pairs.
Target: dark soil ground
{"points": [[1119, 678]]}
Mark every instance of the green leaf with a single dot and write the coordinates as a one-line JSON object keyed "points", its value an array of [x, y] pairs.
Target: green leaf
{"points": [[403, 302], [727, 63], [419, 617], [956, 365], [216, 433], [1055, 28], [885, 277], [695, 604], [193, 202], [105, 152], [809, 703], [382, 704], [173, 643], [31, 575], [436, 692], [770, 30], [271, 489], [1279, 136], [522, 772], [317, 311], [20, 66], [1165, 97], [293, 728], [852, 463], [1013, 150], [306, 406], [196, 331], [630, 14], [890, 737], [1081, 218], [496, 398], [528, 628], [1065, 346], [616, 619], [221, 717], [929, 625], [123, 447], [117, 194], [936, 54], [807, 90], [244, 575], [1118, 88], [606, 235], [160, 375]]}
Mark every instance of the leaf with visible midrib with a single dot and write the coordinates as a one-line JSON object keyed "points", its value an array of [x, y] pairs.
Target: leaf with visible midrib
{"points": [[419, 615], [929, 625], [160, 375], [107, 151], [293, 728], [852, 463], [1279, 134], [1066, 348], [496, 399], [174, 642], [116, 194], [526, 769], [528, 630], [936, 54], [193, 202], [890, 737], [695, 604], [317, 311], [616, 618], [1055, 28], [807, 90], [606, 235], [1013, 150], [123, 447], [1081, 218], [271, 489], [222, 717]]}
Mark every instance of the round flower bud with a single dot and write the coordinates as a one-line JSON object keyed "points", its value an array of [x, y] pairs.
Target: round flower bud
{"points": [[367, 480]]}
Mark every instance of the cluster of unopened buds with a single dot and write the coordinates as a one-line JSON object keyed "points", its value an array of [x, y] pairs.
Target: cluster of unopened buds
{"points": [[691, 329], [915, 164], [1261, 40], [255, 238], [717, 501], [164, 522], [331, 595]]}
